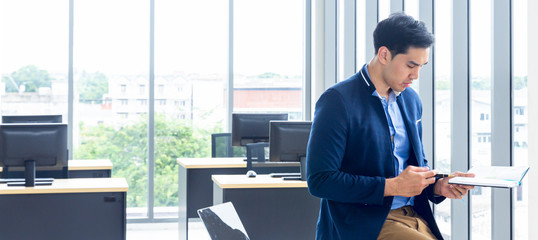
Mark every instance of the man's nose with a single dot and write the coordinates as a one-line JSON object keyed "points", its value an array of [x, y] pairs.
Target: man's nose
{"points": [[414, 73]]}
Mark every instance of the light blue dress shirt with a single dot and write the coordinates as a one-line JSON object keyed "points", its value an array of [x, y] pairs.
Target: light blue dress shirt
{"points": [[400, 144]]}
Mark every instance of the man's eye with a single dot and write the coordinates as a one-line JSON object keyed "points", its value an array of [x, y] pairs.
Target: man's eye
{"points": [[410, 66]]}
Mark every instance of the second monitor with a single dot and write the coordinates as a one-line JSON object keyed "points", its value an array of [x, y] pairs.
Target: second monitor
{"points": [[288, 141], [252, 127], [30, 146], [32, 119]]}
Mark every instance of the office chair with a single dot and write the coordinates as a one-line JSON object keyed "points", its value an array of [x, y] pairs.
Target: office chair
{"points": [[221, 145], [222, 222], [256, 152]]}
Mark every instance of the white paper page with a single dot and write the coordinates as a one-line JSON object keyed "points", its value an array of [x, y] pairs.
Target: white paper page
{"points": [[483, 182], [493, 176], [514, 173]]}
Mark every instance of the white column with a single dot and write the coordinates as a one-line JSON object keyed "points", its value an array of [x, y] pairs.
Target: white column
{"points": [[532, 81]]}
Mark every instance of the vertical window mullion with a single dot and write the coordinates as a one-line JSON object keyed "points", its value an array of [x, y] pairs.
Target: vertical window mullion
{"points": [[460, 210], [330, 43], [371, 22], [396, 6], [501, 119], [151, 114], [230, 78], [349, 41], [307, 71], [70, 83], [426, 87]]}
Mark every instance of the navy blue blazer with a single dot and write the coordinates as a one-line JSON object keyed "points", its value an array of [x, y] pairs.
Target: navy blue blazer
{"points": [[350, 154]]}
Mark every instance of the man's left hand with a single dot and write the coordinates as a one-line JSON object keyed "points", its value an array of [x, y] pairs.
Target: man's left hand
{"points": [[453, 191]]}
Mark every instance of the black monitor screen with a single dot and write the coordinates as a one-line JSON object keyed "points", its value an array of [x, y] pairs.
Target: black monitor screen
{"points": [[288, 140], [252, 127], [46, 144], [32, 119]]}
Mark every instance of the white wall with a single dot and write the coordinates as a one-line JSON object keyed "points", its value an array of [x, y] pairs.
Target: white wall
{"points": [[533, 114]]}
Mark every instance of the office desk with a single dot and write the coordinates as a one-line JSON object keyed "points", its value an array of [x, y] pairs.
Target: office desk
{"points": [[196, 188], [82, 208], [94, 168], [270, 208]]}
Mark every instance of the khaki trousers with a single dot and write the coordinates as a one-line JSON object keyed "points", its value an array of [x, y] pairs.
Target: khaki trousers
{"points": [[404, 223]]}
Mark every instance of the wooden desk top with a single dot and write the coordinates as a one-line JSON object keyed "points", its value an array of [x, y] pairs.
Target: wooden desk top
{"points": [[71, 185], [260, 181], [90, 164], [237, 162], [212, 162]]}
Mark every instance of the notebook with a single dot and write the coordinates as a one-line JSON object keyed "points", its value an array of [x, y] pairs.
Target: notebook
{"points": [[493, 176], [222, 222]]}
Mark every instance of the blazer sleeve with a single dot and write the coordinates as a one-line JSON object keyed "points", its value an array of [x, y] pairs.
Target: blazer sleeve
{"points": [[325, 153]]}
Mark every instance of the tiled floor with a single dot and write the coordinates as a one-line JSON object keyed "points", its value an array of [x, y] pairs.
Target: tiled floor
{"points": [[164, 231]]}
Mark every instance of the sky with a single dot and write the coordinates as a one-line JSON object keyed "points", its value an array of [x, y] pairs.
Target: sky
{"points": [[189, 36], [113, 36]]}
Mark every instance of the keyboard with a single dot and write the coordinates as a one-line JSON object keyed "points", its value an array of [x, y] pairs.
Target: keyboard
{"points": [[277, 175], [8, 180], [291, 178]]}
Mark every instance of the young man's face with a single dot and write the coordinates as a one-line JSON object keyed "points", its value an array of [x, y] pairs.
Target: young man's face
{"points": [[401, 70]]}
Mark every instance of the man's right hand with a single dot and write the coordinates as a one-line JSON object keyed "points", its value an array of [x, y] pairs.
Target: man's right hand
{"points": [[410, 182]]}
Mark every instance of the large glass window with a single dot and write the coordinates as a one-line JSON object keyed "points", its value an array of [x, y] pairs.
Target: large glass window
{"points": [[443, 101], [480, 113], [111, 57], [341, 34], [383, 10], [268, 56], [520, 115], [33, 57], [411, 8], [360, 46], [190, 79]]}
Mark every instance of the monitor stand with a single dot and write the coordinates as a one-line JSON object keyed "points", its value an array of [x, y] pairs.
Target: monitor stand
{"points": [[29, 177], [301, 176]]}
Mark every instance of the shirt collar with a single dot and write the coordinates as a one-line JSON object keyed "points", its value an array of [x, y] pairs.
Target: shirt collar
{"points": [[368, 81], [392, 96]]}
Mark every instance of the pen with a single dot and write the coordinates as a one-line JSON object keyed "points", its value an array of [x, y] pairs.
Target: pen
{"points": [[442, 175]]}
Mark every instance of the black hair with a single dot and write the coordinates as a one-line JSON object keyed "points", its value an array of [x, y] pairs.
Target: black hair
{"points": [[401, 31]]}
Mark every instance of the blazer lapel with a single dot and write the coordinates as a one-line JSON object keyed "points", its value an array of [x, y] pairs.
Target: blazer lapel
{"points": [[411, 129]]}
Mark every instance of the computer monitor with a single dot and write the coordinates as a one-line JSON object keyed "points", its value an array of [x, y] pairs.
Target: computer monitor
{"points": [[252, 127], [29, 146], [288, 140], [32, 119]]}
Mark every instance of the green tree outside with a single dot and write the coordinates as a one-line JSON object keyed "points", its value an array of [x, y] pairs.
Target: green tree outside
{"points": [[126, 147], [30, 76], [92, 87]]}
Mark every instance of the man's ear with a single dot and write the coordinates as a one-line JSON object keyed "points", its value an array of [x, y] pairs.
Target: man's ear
{"points": [[384, 55]]}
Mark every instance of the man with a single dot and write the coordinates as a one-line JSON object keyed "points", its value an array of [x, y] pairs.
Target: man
{"points": [[365, 157]]}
